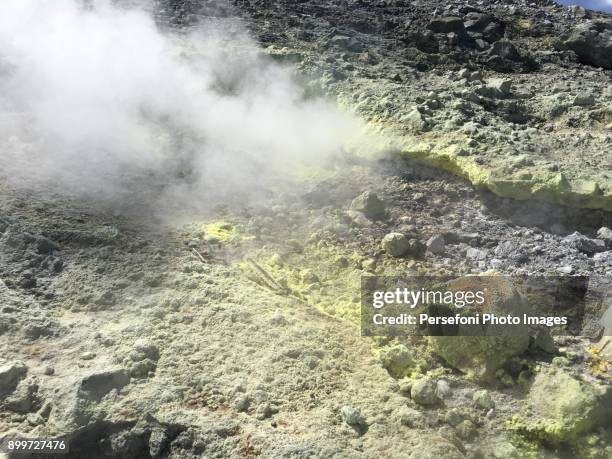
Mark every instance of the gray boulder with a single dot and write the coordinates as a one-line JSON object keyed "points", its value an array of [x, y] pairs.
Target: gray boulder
{"points": [[560, 407], [97, 385], [347, 43], [584, 99], [10, 376], [584, 244], [415, 122], [447, 24], [605, 234], [592, 43], [397, 360], [436, 244], [496, 88], [505, 49], [395, 244], [352, 416], [424, 392], [369, 205]]}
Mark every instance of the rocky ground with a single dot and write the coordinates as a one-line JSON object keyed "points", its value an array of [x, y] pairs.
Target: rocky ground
{"points": [[515, 95], [235, 333]]}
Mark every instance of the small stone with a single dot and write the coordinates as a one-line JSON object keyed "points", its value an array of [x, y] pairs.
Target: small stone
{"points": [[505, 49], [447, 24], [352, 416], [561, 406], [412, 418], [146, 348], [265, 411], [395, 244], [565, 269], [97, 385], [142, 368], [35, 419], [58, 265], [584, 244], [405, 386], [369, 205], [23, 399], [242, 403], [10, 375], [46, 246], [605, 234], [397, 360], [497, 87], [544, 341], [463, 74], [603, 257], [443, 389], [348, 43], [454, 417], [416, 249], [342, 262], [276, 260], [49, 371], [483, 399], [424, 391], [436, 244], [369, 265], [466, 430], [88, 356], [481, 44], [476, 254], [28, 281], [584, 100], [415, 122]]}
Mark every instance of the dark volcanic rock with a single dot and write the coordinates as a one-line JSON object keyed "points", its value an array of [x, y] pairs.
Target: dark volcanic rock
{"points": [[505, 49], [347, 43], [97, 385], [10, 375], [592, 43], [584, 244], [45, 246], [447, 25]]}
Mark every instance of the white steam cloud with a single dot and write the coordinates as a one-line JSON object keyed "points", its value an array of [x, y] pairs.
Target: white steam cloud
{"points": [[96, 101]]}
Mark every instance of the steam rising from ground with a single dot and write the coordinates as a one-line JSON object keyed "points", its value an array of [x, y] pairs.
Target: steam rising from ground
{"points": [[96, 101]]}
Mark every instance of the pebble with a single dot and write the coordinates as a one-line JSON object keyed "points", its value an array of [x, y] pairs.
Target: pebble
{"points": [[584, 99], [370, 205], [603, 257], [453, 417], [482, 399], [476, 254], [352, 416], [443, 389], [395, 244], [11, 374], [584, 244], [466, 430], [605, 234], [436, 244], [424, 392]]}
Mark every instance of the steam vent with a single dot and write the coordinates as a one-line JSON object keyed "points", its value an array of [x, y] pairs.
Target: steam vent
{"points": [[305, 229]]}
